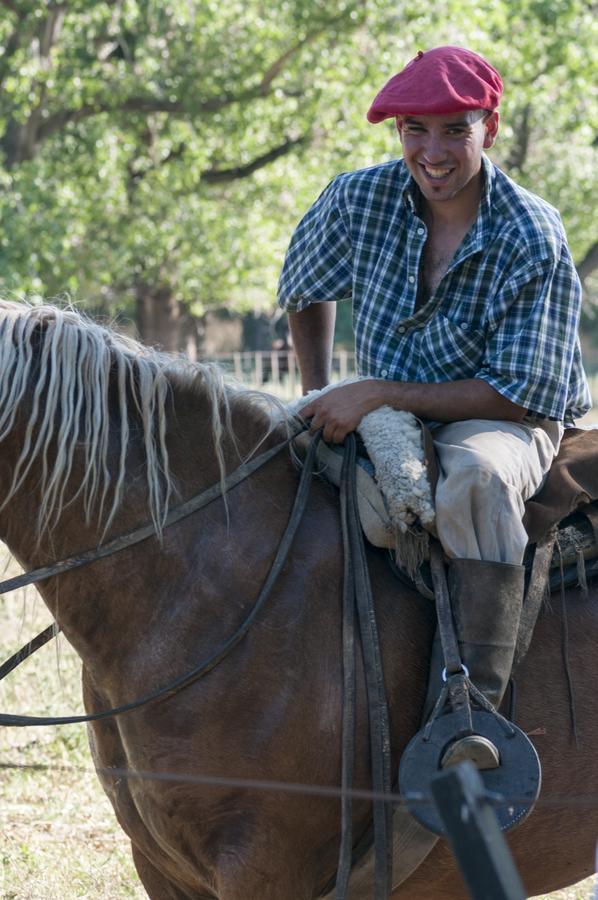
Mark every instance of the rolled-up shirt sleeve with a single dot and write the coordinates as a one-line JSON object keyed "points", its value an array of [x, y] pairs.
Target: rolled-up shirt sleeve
{"points": [[532, 336], [318, 264]]}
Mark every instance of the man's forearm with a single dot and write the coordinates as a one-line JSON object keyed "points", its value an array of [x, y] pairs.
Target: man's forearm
{"points": [[341, 410], [449, 401], [312, 331]]}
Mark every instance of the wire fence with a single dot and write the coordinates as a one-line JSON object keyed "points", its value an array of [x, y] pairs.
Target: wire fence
{"points": [[586, 801], [277, 371]]}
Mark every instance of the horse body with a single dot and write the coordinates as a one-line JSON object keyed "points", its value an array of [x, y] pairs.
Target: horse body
{"points": [[271, 709]]}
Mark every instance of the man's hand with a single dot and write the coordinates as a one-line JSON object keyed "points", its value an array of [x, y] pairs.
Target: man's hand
{"points": [[340, 410]]}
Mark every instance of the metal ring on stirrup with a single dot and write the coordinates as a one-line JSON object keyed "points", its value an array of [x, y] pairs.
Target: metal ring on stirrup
{"points": [[463, 667]]}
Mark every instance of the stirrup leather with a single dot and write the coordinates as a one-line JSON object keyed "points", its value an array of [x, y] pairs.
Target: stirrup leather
{"points": [[457, 730]]}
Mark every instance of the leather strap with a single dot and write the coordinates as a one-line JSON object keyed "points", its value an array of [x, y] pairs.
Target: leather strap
{"points": [[207, 665], [146, 531], [358, 595], [446, 627], [537, 589]]}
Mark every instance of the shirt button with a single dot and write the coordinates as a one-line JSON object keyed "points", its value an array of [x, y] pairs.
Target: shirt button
{"points": [[464, 326], [384, 372], [402, 329], [421, 230], [412, 279]]}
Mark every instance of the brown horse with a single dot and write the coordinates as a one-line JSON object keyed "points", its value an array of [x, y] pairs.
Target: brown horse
{"points": [[97, 434]]}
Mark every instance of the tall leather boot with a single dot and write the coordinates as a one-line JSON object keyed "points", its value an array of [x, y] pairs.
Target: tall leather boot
{"points": [[486, 600]]}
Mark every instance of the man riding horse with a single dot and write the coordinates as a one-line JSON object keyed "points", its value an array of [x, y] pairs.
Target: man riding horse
{"points": [[466, 306]]}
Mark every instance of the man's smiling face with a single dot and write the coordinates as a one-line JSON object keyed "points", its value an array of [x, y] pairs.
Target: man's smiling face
{"points": [[444, 153]]}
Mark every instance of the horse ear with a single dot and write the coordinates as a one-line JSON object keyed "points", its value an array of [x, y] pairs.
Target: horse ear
{"points": [[38, 332], [40, 320], [43, 317]]}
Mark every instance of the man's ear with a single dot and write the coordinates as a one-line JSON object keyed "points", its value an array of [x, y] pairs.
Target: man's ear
{"points": [[399, 126], [490, 129]]}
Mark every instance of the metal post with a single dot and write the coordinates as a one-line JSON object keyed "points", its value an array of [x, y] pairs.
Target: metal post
{"points": [[474, 834]]}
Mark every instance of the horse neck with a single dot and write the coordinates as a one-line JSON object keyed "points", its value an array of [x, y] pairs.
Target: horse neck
{"points": [[90, 600], [196, 460]]}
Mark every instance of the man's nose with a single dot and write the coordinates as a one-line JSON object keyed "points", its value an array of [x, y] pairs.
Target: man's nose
{"points": [[434, 148]]}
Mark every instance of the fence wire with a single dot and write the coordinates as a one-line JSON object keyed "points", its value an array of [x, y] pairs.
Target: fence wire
{"points": [[587, 801]]}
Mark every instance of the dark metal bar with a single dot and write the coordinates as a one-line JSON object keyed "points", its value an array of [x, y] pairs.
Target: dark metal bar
{"points": [[474, 834]]}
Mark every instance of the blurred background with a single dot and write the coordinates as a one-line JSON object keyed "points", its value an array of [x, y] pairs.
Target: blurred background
{"points": [[155, 156]]}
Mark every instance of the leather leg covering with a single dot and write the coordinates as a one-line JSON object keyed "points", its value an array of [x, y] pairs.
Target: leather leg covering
{"points": [[486, 599]]}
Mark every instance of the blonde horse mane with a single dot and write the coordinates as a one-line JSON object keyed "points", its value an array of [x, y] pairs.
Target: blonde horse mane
{"points": [[76, 360]]}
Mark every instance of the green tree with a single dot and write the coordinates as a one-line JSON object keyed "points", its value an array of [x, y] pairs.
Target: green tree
{"points": [[156, 154]]}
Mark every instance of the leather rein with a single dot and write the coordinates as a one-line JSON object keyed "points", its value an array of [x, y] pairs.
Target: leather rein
{"points": [[141, 534]]}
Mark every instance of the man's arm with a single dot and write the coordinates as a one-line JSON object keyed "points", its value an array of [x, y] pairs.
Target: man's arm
{"points": [[341, 410], [312, 331]]}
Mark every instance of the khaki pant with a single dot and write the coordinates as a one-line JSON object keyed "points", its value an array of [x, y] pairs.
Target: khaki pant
{"points": [[487, 470]]}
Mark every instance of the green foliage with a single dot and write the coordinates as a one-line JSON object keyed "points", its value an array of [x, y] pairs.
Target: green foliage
{"points": [[177, 142]]}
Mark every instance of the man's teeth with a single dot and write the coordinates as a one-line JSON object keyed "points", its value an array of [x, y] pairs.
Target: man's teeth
{"points": [[436, 173]]}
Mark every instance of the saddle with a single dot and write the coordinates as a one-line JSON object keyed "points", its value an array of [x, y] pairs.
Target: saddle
{"points": [[568, 501]]}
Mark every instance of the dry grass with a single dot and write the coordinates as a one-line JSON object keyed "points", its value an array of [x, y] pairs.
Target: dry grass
{"points": [[60, 839]]}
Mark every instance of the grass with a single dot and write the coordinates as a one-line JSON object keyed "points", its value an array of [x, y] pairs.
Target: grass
{"points": [[60, 840]]}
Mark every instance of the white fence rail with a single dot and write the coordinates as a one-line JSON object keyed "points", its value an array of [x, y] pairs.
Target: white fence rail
{"points": [[277, 371]]}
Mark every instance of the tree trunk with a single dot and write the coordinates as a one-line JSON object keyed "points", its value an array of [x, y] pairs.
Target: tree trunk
{"points": [[159, 317]]}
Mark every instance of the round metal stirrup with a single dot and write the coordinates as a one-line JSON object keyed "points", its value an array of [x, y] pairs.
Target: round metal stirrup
{"points": [[517, 778]]}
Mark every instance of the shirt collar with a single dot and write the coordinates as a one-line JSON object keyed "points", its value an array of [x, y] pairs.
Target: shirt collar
{"points": [[410, 192]]}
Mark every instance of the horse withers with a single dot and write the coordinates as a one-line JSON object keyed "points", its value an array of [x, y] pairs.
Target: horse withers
{"points": [[99, 435]]}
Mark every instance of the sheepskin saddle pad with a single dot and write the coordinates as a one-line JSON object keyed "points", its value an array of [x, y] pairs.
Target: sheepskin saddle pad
{"points": [[394, 484]]}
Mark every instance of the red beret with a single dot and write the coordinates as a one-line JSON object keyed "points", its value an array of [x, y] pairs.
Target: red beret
{"points": [[437, 83]]}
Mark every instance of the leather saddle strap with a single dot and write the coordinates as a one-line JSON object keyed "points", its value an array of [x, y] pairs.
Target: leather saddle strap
{"points": [[358, 596], [446, 627], [345, 860], [536, 591]]}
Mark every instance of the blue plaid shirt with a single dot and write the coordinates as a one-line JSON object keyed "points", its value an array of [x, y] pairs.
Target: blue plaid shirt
{"points": [[506, 311]]}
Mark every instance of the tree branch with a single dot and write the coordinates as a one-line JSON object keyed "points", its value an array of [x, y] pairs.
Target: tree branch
{"points": [[518, 154], [65, 117], [50, 28], [219, 176], [9, 4], [149, 104], [14, 41], [278, 65]]}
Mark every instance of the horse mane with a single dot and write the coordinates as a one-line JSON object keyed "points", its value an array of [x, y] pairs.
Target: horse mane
{"points": [[68, 363]]}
